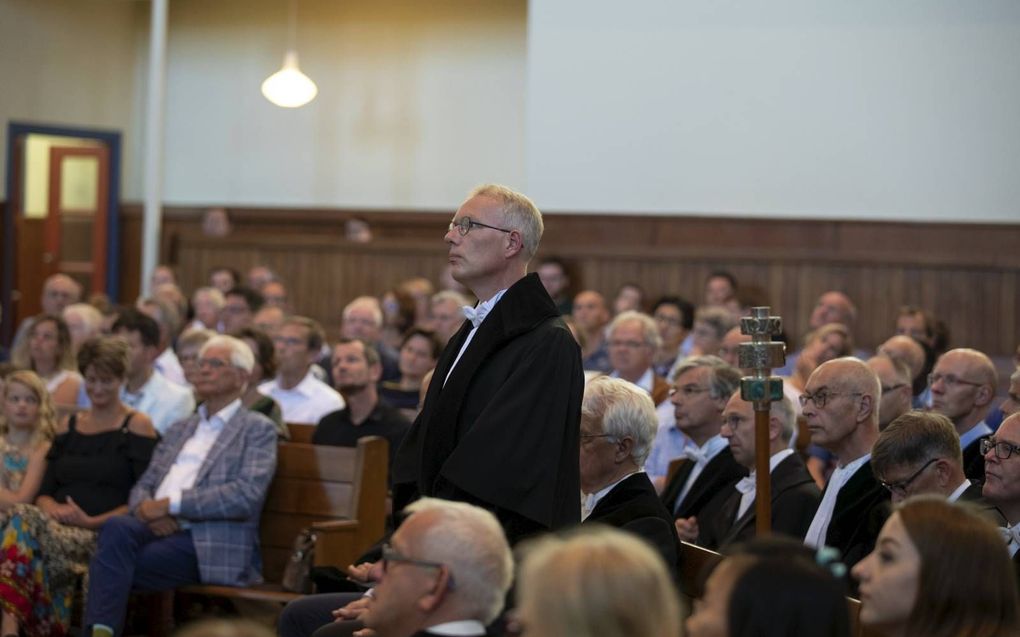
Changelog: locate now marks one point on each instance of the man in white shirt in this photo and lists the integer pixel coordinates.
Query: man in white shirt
(169, 322)
(195, 511)
(840, 404)
(794, 494)
(146, 389)
(963, 386)
(302, 397)
(919, 452)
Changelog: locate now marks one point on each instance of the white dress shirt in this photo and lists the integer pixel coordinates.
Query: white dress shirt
(476, 315)
(168, 364)
(307, 402)
(462, 628)
(747, 486)
(706, 452)
(955, 495)
(162, 401)
(184, 471)
(823, 516)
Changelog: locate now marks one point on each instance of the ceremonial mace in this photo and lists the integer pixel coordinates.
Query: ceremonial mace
(760, 357)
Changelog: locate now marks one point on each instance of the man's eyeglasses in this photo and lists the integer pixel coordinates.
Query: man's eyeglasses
(627, 344)
(212, 363)
(1003, 449)
(464, 225)
(900, 488)
(820, 397)
(886, 390)
(590, 437)
(688, 391)
(389, 554)
(951, 380)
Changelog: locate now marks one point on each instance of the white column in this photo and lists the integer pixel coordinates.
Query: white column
(153, 151)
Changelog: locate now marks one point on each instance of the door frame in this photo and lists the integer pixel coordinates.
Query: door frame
(15, 130)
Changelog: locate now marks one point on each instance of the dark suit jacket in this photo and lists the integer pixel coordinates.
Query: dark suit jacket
(974, 461)
(862, 507)
(633, 506)
(721, 472)
(795, 499)
(503, 432)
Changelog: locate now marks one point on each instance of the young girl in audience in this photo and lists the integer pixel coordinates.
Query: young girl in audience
(91, 466)
(47, 351)
(596, 583)
(772, 587)
(939, 569)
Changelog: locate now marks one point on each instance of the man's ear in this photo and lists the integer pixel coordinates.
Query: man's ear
(624, 447)
(866, 408)
(515, 243)
(775, 428)
(375, 372)
(433, 599)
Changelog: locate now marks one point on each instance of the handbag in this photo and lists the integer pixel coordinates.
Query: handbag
(297, 575)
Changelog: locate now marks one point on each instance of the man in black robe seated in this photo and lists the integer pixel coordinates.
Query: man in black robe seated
(794, 494)
(499, 425)
(618, 425)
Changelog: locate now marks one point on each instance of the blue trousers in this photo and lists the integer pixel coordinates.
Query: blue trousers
(131, 557)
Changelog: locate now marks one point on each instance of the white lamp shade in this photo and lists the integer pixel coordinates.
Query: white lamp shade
(289, 87)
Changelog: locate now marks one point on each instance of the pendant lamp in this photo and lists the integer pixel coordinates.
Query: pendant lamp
(289, 87)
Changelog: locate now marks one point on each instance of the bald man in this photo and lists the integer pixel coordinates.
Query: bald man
(963, 385)
(910, 352)
(840, 403)
(896, 389)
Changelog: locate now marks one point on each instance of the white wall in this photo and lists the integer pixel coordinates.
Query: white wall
(73, 63)
(418, 102)
(867, 109)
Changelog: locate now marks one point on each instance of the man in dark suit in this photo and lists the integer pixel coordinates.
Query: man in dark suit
(195, 510)
(446, 571)
(840, 404)
(499, 425)
(795, 495)
(702, 386)
(1002, 480)
(919, 452)
(618, 425)
(962, 389)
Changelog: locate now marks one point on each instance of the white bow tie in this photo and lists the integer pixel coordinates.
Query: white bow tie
(696, 455)
(746, 485)
(475, 314)
(1011, 534)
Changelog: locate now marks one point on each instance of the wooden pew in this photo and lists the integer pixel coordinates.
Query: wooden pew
(301, 432)
(340, 492)
(696, 562)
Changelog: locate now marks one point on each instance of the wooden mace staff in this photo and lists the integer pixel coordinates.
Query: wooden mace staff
(760, 357)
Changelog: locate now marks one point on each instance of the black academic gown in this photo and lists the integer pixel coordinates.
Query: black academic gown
(632, 505)
(974, 461)
(862, 507)
(503, 432)
(795, 498)
(720, 473)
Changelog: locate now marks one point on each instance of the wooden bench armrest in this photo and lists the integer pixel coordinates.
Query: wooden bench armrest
(339, 527)
(340, 542)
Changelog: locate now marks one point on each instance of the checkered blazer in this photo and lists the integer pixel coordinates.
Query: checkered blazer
(224, 505)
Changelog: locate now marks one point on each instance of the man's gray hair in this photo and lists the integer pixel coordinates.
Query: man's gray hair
(913, 439)
(719, 319)
(519, 213)
(371, 303)
(784, 411)
(450, 295)
(470, 542)
(212, 293)
(724, 379)
(648, 326)
(623, 410)
(241, 356)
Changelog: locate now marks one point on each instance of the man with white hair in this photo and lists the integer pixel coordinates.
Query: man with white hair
(194, 513)
(794, 496)
(633, 339)
(445, 313)
(962, 389)
(363, 318)
(618, 424)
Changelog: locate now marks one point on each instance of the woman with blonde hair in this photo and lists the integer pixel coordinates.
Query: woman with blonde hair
(596, 582)
(939, 569)
(48, 352)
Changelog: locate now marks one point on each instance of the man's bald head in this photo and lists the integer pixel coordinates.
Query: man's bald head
(841, 408)
(59, 291)
(833, 307)
(906, 350)
(962, 387)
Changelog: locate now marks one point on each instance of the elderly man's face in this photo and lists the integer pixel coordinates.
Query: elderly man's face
(217, 376)
(956, 386)
(831, 414)
(58, 294)
(360, 322)
(629, 351)
(598, 459)
(1002, 475)
(479, 255)
(446, 318)
(694, 407)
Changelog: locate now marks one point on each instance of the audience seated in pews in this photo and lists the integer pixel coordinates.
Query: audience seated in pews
(701, 388)
(419, 353)
(302, 397)
(47, 350)
(91, 466)
(962, 387)
(597, 582)
(840, 403)
(356, 370)
(263, 369)
(146, 389)
(939, 570)
(794, 495)
(772, 587)
(618, 424)
(194, 512)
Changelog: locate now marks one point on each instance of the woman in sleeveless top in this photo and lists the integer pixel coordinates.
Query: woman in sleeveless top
(47, 351)
(92, 464)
